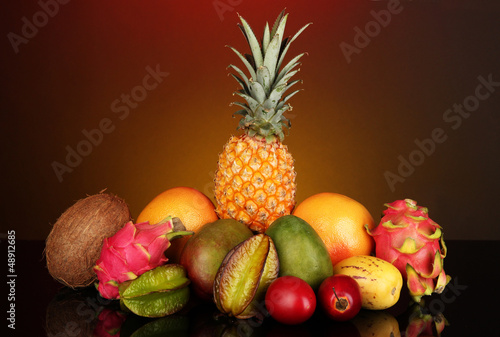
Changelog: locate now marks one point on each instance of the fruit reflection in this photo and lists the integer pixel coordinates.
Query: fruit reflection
(109, 322)
(174, 326)
(421, 322)
(207, 321)
(74, 312)
(376, 324)
(85, 313)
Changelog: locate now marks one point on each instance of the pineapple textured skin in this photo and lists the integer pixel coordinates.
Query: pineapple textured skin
(255, 177)
(255, 182)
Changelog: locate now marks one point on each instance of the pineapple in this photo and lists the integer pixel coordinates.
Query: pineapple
(255, 177)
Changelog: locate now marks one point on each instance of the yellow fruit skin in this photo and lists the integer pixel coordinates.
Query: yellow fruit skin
(254, 182)
(380, 282)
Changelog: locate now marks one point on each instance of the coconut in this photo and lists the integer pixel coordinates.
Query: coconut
(75, 241)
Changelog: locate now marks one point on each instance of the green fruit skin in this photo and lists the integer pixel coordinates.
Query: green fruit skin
(203, 253)
(301, 251)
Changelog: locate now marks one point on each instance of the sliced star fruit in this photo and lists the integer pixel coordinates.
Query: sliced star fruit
(158, 292)
(244, 276)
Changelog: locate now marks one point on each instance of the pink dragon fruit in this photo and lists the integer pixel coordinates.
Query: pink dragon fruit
(413, 243)
(422, 323)
(133, 250)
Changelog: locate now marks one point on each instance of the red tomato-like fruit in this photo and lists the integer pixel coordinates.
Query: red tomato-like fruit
(340, 297)
(290, 300)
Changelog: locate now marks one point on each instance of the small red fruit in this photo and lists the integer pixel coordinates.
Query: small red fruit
(290, 300)
(340, 297)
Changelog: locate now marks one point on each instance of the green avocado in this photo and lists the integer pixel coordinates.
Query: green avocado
(301, 251)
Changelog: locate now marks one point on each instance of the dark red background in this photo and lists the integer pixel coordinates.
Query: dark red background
(350, 124)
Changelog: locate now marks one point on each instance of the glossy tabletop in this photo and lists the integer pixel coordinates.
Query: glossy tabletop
(43, 307)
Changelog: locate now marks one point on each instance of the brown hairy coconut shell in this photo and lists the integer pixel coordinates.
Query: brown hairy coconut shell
(74, 244)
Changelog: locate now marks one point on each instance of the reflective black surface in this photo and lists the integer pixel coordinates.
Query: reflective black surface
(469, 305)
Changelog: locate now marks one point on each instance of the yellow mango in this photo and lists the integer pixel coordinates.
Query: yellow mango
(380, 282)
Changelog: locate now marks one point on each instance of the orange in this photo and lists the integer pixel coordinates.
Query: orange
(191, 206)
(339, 221)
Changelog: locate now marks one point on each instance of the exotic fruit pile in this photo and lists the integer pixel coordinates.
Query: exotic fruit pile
(253, 253)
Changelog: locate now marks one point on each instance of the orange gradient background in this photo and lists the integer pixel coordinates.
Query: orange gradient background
(349, 125)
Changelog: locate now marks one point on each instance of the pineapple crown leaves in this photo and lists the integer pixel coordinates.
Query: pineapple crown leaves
(268, 81)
